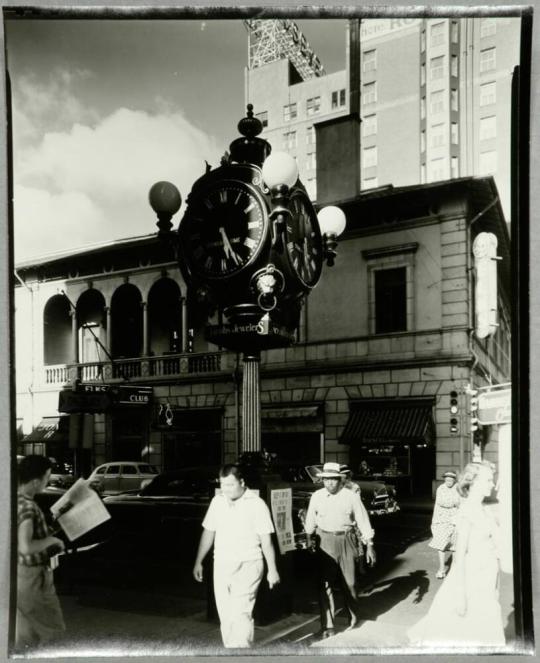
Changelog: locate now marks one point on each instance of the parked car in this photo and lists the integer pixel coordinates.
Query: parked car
(61, 475)
(378, 497)
(121, 476)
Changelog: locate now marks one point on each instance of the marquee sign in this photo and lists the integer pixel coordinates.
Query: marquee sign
(99, 397)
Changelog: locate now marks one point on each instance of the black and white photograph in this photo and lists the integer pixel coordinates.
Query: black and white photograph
(267, 317)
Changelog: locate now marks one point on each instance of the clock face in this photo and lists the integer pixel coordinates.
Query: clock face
(223, 229)
(304, 243)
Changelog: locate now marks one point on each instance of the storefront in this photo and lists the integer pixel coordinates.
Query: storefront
(394, 440)
(294, 433)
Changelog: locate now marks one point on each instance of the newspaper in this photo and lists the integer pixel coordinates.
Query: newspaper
(79, 510)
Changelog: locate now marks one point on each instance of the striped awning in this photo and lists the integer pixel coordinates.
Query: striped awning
(374, 421)
(49, 429)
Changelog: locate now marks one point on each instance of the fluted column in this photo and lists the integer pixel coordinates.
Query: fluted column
(146, 349)
(74, 337)
(108, 339)
(251, 403)
(184, 322)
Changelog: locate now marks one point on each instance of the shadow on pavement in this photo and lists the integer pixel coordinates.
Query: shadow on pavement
(386, 594)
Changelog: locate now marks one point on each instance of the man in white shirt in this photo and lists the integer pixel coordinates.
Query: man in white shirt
(239, 525)
(332, 514)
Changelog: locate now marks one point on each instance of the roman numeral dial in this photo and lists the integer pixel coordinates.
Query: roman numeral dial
(304, 243)
(223, 228)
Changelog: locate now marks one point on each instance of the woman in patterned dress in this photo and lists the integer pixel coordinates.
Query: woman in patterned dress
(443, 523)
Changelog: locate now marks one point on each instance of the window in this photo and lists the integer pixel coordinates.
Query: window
(369, 93)
(113, 469)
(311, 162)
(437, 102)
(488, 59)
(454, 65)
(423, 141)
(488, 162)
(289, 140)
(313, 105)
(390, 300)
(488, 127)
(437, 170)
(454, 30)
(423, 108)
(488, 27)
(290, 112)
(129, 469)
(423, 74)
(437, 34)
(371, 183)
(369, 125)
(422, 41)
(437, 135)
(454, 167)
(263, 117)
(310, 135)
(423, 173)
(454, 104)
(370, 60)
(454, 133)
(101, 470)
(488, 93)
(370, 157)
(437, 67)
(338, 99)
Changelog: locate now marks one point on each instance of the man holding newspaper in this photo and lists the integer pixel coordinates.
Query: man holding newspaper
(39, 615)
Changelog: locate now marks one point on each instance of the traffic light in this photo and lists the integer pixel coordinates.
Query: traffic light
(473, 409)
(454, 411)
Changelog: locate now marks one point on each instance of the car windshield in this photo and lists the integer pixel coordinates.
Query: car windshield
(181, 486)
(313, 472)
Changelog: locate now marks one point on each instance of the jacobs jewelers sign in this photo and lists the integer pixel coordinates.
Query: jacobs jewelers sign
(495, 407)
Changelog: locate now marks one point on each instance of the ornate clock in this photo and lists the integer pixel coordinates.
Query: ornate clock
(304, 242)
(223, 229)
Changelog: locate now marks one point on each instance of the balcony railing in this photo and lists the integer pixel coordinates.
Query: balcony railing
(140, 367)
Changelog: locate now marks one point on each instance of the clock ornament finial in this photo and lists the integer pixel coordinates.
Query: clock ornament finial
(250, 148)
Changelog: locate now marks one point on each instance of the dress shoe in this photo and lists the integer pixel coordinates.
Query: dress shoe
(326, 633)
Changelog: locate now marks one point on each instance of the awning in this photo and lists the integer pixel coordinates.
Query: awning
(49, 429)
(292, 419)
(374, 421)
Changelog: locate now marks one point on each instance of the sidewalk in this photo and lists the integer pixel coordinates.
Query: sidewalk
(400, 598)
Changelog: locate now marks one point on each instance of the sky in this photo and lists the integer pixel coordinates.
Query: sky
(103, 109)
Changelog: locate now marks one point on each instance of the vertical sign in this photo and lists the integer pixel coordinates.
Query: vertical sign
(281, 501)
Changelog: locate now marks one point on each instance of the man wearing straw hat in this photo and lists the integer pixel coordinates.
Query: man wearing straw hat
(332, 515)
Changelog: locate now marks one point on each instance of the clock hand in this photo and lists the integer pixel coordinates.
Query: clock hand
(227, 248)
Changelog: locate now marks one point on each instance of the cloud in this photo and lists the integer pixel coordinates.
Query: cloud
(90, 183)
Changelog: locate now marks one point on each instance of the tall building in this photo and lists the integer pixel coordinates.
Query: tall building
(433, 96)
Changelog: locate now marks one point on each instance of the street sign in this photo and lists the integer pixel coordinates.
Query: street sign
(495, 407)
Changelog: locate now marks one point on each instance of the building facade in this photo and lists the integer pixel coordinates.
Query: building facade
(385, 337)
(433, 95)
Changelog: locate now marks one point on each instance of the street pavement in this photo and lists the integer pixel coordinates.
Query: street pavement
(130, 618)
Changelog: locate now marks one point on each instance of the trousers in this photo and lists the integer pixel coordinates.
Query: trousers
(337, 554)
(39, 615)
(235, 590)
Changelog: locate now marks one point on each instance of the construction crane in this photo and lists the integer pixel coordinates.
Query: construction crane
(277, 39)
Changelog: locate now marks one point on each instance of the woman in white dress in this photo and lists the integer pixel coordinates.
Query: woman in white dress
(443, 523)
(466, 611)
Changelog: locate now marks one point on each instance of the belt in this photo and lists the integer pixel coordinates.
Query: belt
(339, 533)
